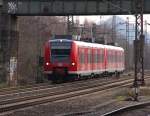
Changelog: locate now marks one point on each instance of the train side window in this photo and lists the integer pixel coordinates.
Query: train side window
(109, 58)
(113, 56)
(95, 56)
(102, 55)
(92, 56)
(89, 57)
(123, 57)
(98, 56)
(81, 55)
(119, 57)
(116, 57)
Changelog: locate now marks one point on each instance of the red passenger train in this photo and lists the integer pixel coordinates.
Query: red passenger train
(68, 59)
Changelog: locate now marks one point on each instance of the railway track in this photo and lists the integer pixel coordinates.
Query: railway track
(129, 108)
(22, 102)
(47, 88)
(57, 89)
(13, 90)
(24, 89)
(10, 90)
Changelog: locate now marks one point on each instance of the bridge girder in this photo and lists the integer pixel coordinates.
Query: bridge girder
(72, 7)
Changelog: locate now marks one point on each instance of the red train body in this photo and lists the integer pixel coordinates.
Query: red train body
(68, 59)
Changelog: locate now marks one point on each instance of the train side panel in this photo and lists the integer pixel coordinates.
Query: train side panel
(83, 59)
(114, 59)
(84, 66)
(73, 57)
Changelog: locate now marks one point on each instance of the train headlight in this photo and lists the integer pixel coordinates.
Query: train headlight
(47, 63)
(73, 64)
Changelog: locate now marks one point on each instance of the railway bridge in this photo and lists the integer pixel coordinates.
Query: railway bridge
(10, 9)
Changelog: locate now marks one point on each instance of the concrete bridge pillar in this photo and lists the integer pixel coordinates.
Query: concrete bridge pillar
(8, 47)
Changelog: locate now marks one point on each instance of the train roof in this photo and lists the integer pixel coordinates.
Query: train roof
(98, 45)
(114, 47)
(86, 44)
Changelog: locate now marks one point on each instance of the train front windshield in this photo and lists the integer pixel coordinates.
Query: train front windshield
(60, 52)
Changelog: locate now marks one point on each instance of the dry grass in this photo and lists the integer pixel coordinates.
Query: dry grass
(145, 91)
(3, 85)
(129, 93)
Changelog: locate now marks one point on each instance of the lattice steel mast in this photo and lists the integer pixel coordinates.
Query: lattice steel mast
(139, 46)
(70, 24)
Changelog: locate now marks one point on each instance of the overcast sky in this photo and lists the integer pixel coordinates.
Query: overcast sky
(97, 19)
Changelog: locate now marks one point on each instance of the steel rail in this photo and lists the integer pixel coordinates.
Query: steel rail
(56, 91)
(19, 88)
(35, 86)
(67, 94)
(40, 89)
(127, 108)
(12, 90)
(63, 96)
